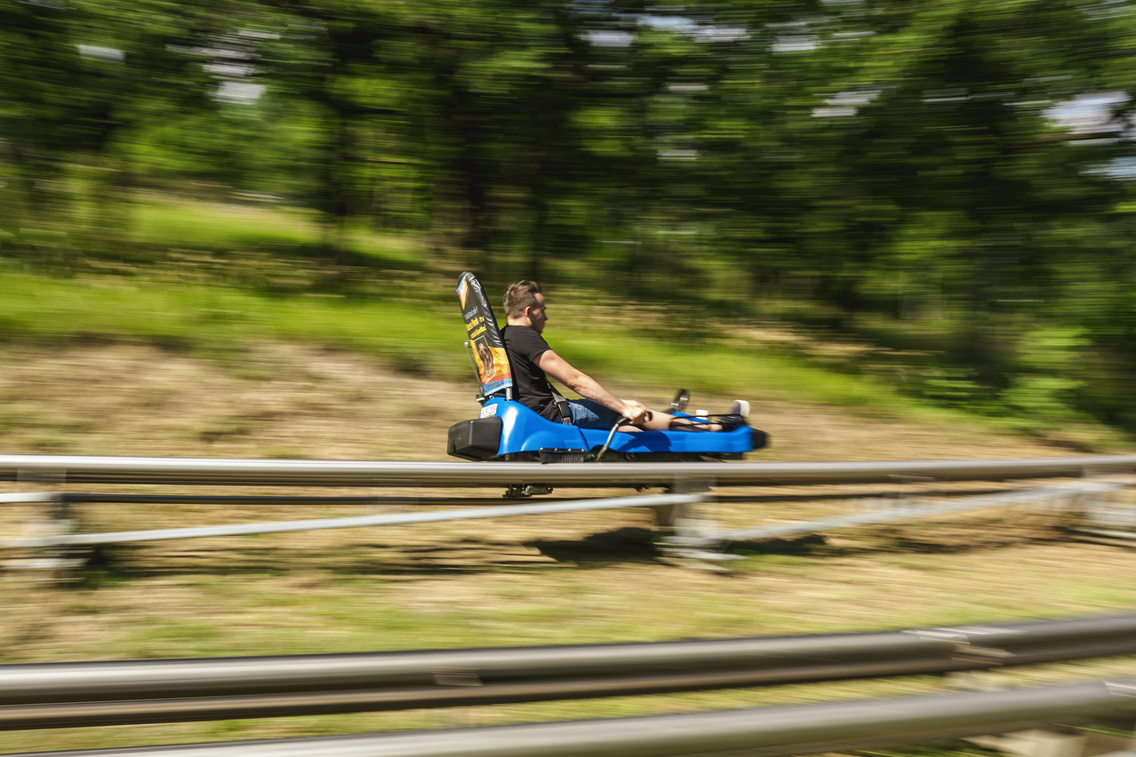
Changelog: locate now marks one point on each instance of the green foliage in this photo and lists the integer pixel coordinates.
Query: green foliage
(884, 166)
(1049, 359)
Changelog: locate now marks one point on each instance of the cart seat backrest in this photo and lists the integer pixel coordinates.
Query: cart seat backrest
(486, 346)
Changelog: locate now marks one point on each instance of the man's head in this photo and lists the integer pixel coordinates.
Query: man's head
(524, 305)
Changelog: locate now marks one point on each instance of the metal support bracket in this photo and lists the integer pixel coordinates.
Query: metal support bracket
(54, 519)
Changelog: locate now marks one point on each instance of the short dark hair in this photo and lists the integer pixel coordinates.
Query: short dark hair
(520, 295)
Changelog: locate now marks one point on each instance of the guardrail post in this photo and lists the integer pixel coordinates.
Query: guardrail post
(1102, 519)
(674, 515)
(51, 517)
(691, 524)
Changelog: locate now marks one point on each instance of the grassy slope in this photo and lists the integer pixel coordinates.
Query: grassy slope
(425, 337)
(248, 375)
(212, 277)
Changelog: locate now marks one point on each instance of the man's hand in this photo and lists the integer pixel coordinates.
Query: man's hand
(636, 413)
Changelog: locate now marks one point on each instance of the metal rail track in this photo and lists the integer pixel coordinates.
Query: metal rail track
(679, 477)
(39, 696)
(58, 695)
(1033, 496)
(766, 732)
(318, 524)
(210, 471)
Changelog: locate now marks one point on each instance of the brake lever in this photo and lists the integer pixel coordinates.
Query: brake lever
(611, 435)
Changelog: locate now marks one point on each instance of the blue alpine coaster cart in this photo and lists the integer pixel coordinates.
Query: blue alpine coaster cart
(506, 430)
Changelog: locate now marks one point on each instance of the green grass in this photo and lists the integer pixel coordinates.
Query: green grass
(207, 317)
(213, 277)
(422, 336)
(169, 224)
(722, 368)
(181, 223)
(416, 328)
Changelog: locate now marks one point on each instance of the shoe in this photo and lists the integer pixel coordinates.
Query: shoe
(740, 407)
(730, 422)
(724, 422)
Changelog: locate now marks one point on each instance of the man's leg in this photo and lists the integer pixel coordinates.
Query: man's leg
(591, 414)
(667, 422)
(738, 416)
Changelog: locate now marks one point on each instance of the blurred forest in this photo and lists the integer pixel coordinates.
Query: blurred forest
(949, 177)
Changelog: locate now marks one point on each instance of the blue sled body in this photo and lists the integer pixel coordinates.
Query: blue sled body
(507, 430)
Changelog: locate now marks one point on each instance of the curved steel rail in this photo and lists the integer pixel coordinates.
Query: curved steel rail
(56, 695)
(207, 471)
(766, 732)
(388, 519)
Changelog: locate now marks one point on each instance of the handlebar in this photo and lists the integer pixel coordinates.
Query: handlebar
(611, 434)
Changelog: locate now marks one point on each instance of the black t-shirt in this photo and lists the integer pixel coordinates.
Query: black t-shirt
(524, 344)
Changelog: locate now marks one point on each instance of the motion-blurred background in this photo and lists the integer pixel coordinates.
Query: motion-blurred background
(949, 179)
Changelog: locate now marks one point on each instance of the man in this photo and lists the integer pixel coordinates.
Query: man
(533, 361)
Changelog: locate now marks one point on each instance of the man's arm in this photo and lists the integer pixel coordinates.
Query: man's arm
(586, 386)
